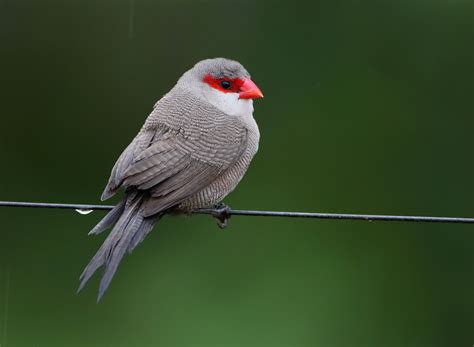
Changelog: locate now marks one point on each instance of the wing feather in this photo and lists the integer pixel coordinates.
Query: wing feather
(128, 156)
(190, 181)
(182, 148)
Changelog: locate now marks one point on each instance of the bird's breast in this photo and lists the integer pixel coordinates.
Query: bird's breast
(228, 180)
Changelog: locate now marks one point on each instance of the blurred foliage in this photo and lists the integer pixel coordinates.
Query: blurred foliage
(368, 109)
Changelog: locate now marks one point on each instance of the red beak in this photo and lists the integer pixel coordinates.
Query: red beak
(249, 90)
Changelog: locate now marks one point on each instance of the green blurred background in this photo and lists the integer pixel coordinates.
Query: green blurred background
(368, 109)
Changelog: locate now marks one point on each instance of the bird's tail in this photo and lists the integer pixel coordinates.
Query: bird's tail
(130, 227)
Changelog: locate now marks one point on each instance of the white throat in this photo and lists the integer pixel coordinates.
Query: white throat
(230, 103)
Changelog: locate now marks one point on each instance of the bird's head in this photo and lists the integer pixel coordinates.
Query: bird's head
(224, 83)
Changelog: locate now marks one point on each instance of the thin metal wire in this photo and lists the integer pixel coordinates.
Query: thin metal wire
(231, 212)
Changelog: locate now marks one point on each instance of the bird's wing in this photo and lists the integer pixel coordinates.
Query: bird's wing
(175, 168)
(142, 141)
(173, 162)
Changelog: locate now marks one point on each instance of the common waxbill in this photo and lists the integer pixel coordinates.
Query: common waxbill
(192, 151)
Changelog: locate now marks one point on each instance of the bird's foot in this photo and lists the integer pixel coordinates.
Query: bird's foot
(221, 213)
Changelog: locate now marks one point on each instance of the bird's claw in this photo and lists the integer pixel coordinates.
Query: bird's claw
(222, 214)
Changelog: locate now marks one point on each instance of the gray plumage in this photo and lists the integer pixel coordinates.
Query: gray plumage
(192, 151)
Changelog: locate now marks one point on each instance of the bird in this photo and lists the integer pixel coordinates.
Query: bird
(191, 152)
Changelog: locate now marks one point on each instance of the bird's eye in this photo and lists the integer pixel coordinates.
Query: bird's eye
(225, 84)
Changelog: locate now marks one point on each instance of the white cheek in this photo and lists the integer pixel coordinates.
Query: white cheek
(230, 103)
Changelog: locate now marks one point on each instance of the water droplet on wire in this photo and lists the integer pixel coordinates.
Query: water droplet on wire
(83, 212)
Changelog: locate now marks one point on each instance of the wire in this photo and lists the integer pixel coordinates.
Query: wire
(84, 208)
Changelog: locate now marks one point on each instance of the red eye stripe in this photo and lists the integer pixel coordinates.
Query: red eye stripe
(235, 83)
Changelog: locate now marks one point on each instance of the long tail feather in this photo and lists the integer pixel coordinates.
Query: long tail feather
(129, 230)
(142, 232)
(110, 219)
(117, 253)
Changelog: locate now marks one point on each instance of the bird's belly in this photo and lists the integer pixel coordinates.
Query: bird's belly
(222, 186)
